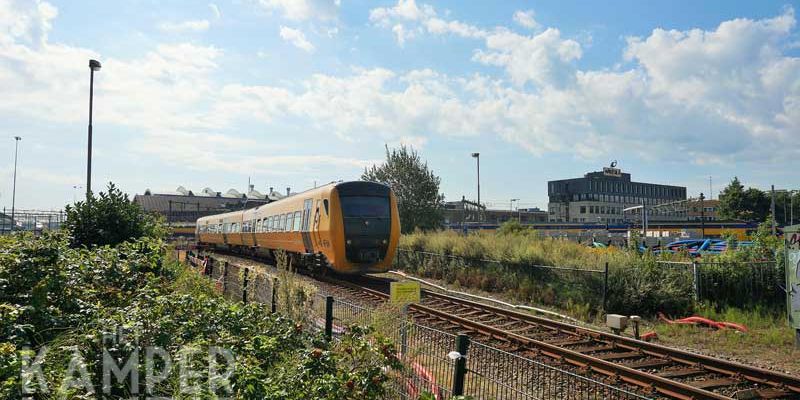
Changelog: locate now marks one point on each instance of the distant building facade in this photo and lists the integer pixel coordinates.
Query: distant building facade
(707, 211)
(182, 208)
(601, 196)
(465, 211)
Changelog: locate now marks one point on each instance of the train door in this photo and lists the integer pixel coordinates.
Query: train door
(304, 228)
(315, 228)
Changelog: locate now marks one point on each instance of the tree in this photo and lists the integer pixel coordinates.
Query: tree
(732, 201)
(738, 204)
(109, 219)
(414, 184)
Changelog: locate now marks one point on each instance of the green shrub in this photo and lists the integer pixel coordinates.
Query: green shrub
(109, 219)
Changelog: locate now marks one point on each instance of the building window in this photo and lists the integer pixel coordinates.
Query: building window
(583, 209)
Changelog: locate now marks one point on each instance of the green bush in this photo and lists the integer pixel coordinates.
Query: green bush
(122, 300)
(109, 219)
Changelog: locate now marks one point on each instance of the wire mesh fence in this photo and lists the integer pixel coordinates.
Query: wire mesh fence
(430, 356)
(496, 374)
(542, 283)
(737, 284)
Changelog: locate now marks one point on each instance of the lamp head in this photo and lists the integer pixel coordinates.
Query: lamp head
(17, 138)
(94, 65)
(476, 155)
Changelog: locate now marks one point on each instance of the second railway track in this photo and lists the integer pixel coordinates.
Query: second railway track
(652, 368)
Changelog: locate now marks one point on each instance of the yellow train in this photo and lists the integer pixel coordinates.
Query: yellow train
(349, 227)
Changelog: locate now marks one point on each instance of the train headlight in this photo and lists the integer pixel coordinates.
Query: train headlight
(384, 241)
(349, 242)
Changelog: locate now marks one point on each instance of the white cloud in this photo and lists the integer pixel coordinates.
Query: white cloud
(726, 95)
(543, 59)
(215, 10)
(297, 38)
(300, 10)
(199, 25)
(406, 20)
(525, 19)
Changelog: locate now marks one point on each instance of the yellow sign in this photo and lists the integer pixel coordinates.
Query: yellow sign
(404, 292)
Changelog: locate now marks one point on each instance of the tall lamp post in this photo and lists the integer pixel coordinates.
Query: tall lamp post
(94, 65)
(477, 157)
(702, 217)
(511, 209)
(14, 187)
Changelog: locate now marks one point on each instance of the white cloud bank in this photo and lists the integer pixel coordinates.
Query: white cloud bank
(725, 95)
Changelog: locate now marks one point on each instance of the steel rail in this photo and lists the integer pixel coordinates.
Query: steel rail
(747, 372)
(647, 381)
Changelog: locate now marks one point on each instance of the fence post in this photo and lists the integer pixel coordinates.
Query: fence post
(328, 317)
(224, 277)
(460, 370)
(696, 279)
(404, 332)
(605, 287)
(274, 300)
(244, 285)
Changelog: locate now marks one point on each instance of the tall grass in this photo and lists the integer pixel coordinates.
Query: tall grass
(507, 262)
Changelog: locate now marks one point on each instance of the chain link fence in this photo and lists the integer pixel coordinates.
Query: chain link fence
(436, 362)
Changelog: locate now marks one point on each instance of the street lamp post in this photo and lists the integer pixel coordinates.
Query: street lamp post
(511, 209)
(702, 217)
(477, 157)
(94, 65)
(14, 187)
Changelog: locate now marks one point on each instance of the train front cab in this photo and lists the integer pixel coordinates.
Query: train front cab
(370, 227)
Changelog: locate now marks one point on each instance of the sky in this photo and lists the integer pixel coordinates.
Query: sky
(297, 92)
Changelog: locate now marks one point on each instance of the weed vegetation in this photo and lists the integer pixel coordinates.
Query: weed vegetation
(518, 262)
(83, 320)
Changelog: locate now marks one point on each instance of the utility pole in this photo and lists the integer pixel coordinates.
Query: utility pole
(702, 217)
(772, 210)
(14, 190)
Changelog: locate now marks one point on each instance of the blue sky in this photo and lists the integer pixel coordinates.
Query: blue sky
(287, 93)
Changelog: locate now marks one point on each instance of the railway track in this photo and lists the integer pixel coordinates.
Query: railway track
(652, 368)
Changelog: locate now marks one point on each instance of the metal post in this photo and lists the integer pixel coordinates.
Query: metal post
(605, 286)
(404, 332)
(696, 280)
(772, 210)
(274, 300)
(224, 277)
(460, 370)
(477, 157)
(89, 153)
(702, 217)
(328, 317)
(169, 214)
(244, 285)
(14, 190)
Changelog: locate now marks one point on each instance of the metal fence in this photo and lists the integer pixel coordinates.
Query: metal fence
(543, 284)
(436, 362)
(737, 284)
(30, 220)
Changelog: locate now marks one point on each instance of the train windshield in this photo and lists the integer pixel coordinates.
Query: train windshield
(365, 207)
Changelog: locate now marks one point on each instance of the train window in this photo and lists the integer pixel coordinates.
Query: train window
(258, 225)
(289, 222)
(297, 220)
(365, 207)
(325, 203)
(268, 225)
(282, 223)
